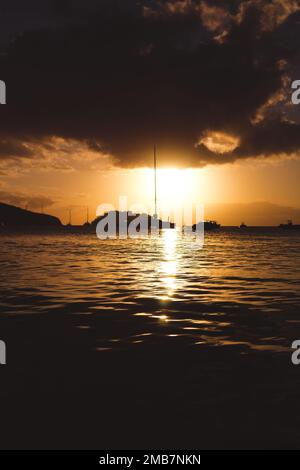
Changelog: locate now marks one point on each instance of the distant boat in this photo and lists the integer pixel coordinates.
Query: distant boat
(289, 226)
(243, 225)
(209, 225)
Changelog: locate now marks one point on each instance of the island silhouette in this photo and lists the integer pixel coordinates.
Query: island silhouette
(14, 218)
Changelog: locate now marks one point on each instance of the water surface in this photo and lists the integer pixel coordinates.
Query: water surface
(150, 343)
(241, 288)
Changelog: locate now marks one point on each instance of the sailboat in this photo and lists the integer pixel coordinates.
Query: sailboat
(155, 182)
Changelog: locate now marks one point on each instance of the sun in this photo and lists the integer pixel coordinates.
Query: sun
(174, 183)
(175, 187)
(178, 190)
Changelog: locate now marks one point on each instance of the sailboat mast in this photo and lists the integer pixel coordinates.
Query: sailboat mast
(155, 182)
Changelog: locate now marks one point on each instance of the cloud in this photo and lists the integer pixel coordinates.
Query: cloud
(276, 12)
(219, 142)
(107, 82)
(52, 153)
(216, 18)
(29, 201)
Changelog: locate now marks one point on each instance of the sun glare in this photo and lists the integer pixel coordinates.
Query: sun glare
(174, 186)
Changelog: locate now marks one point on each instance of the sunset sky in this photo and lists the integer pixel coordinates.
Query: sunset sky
(92, 85)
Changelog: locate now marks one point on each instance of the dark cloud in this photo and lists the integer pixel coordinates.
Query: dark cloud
(124, 75)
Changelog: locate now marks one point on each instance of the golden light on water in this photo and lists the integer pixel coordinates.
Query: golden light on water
(168, 268)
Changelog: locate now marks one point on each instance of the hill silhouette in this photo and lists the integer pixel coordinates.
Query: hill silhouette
(12, 217)
(144, 222)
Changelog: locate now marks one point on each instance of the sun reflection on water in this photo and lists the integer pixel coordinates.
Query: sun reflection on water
(169, 265)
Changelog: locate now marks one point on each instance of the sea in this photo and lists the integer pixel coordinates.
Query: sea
(190, 344)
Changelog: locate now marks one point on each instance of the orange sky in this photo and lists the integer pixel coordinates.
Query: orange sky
(229, 192)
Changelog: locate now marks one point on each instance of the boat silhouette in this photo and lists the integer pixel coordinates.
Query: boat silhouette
(289, 226)
(243, 225)
(209, 225)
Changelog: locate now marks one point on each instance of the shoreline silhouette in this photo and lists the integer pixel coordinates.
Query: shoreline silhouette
(14, 219)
